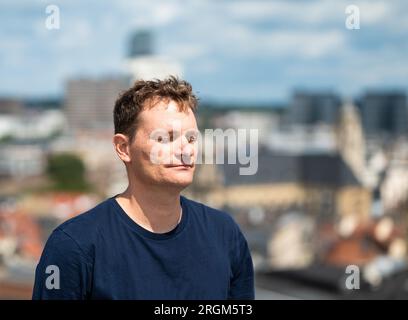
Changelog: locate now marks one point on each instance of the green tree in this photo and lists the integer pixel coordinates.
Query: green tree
(67, 172)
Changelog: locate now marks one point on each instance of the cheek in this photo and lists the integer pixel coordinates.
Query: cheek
(158, 153)
(141, 154)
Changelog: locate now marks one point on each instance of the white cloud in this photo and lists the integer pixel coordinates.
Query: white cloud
(205, 67)
(307, 43)
(354, 71)
(146, 13)
(374, 12)
(314, 13)
(289, 11)
(76, 33)
(166, 13)
(299, 43)
(186, 51)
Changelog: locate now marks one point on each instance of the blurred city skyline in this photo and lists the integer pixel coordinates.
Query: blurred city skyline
(231, 51)
(329, 105)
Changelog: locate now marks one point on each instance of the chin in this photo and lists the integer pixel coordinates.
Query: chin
(178, 182)
(182, 183)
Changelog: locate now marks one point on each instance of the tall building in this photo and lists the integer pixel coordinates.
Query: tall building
(310, 108)
(141, 44)
(143, 63)
(351, 141)
(89, 102)
(11, 106)
(384, 112)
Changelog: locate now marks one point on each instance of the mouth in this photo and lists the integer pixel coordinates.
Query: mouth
(186, 166)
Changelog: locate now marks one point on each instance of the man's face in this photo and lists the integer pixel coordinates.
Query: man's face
(164, 148)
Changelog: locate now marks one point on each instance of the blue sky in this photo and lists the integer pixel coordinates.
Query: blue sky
(230, 50)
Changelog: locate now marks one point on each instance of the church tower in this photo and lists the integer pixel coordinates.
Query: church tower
(350, 140)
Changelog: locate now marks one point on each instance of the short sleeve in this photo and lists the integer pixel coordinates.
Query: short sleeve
(242, 278)
(63, 272)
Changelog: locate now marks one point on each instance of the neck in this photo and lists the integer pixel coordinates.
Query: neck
(157, 210)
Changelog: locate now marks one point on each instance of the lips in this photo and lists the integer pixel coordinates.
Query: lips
(180, 166)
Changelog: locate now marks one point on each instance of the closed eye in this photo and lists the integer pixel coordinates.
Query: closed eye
(192, 136)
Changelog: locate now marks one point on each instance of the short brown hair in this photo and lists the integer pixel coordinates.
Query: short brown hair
(145, 94)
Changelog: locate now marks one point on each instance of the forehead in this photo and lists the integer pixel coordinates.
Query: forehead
(166, 114)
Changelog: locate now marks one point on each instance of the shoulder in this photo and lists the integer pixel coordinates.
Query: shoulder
(221, 223)
(82, 231)
(213, 216)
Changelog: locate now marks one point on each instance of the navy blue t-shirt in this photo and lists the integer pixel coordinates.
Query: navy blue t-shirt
(104, 254)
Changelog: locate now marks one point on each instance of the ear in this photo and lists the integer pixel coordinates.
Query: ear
(122, 147)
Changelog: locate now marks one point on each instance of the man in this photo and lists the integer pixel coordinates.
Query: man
(149, 242)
